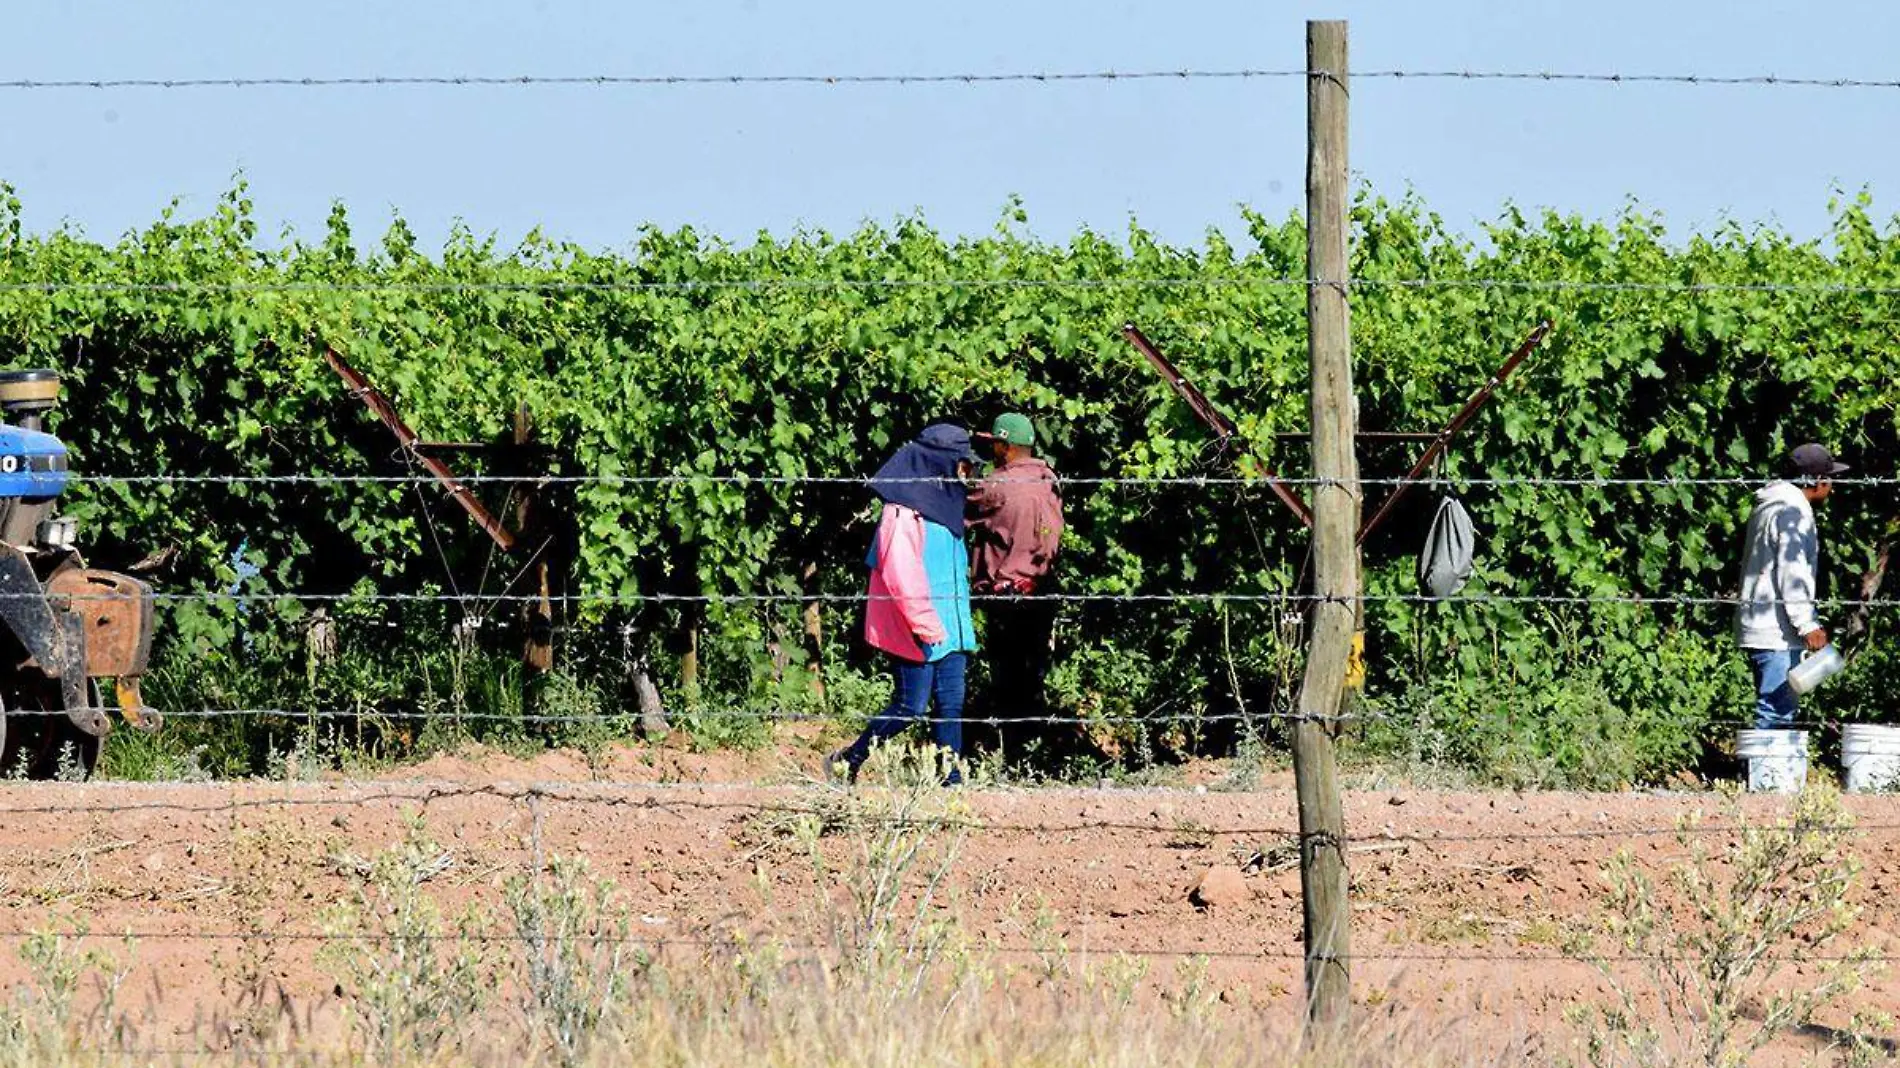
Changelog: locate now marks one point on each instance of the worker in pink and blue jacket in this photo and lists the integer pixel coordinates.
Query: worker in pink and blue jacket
(918, 611)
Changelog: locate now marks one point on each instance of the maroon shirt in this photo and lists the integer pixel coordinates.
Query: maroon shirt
(1015, 527)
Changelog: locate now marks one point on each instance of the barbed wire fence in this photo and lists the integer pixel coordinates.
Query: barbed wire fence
(104, 798)
(471, 603)
(476, 608)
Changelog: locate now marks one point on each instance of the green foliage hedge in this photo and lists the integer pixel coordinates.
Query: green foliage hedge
(650, 362)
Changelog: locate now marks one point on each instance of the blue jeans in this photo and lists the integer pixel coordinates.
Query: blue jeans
(1775, 700)
(915, 686)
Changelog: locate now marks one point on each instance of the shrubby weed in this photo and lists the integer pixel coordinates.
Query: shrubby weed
(1701, 964)
(579, 965)
(69, 999)
(414, 981)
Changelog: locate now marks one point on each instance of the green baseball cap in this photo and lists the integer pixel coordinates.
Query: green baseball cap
(1014, 428)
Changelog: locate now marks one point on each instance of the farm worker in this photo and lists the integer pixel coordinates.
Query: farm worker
(918, 612)
(1775, 619)
(1015, 531)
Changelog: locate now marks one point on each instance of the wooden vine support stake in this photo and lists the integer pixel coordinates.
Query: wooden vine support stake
(537, 651)
(1336, 510)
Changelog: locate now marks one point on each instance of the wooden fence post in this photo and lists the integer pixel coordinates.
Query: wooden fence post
(1336, 508)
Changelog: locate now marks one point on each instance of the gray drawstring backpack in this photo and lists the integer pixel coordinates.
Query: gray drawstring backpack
(1444, 566)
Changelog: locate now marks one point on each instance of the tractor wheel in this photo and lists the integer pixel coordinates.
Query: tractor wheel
(41, 743)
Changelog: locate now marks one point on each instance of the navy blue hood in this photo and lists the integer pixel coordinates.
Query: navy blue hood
(923, 475)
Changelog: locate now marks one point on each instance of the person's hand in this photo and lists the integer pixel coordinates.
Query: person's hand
(931, 637)
(1817, 639)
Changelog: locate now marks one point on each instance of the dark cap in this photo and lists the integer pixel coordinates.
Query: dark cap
(1814, 461)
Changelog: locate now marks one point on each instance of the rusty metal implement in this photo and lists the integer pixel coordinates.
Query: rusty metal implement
(380, 406)
(1223, 427)
(1443, 439)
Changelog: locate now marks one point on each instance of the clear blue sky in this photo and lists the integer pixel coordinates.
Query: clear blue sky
(592, 165)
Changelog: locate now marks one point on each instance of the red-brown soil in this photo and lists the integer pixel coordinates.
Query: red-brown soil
(1444, 901)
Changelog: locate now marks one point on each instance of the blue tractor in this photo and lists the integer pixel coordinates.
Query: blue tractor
(66, 631)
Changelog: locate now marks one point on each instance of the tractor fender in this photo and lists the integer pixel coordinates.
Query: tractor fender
(117, 610)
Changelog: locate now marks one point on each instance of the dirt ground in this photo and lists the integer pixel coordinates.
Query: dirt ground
(1460, 899)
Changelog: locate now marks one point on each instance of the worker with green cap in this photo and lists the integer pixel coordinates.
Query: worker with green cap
(1015, 529)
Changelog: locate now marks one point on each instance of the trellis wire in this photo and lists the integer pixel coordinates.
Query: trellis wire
(699, 715)
(822, 284)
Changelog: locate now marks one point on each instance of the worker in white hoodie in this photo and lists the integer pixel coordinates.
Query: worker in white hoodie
(1781, 552)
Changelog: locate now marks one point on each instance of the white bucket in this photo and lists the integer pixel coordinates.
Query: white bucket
(1777, 760)
(1871, 757)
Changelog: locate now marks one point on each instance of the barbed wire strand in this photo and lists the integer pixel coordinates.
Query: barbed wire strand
(1002, 949)
(693, 797)
(475, 626)
(1279, 598)
(1153, 720)
(650, 80)
(1188, 481)
(966, 78)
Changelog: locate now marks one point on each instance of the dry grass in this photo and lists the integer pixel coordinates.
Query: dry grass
(811, 1025)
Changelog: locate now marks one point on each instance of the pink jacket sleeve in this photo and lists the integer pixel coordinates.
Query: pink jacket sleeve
(900, 555)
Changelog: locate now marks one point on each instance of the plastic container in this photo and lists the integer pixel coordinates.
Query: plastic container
(1870, 756)
(1815, 668)
(1777, 760)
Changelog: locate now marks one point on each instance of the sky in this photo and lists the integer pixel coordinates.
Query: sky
(595, 164)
